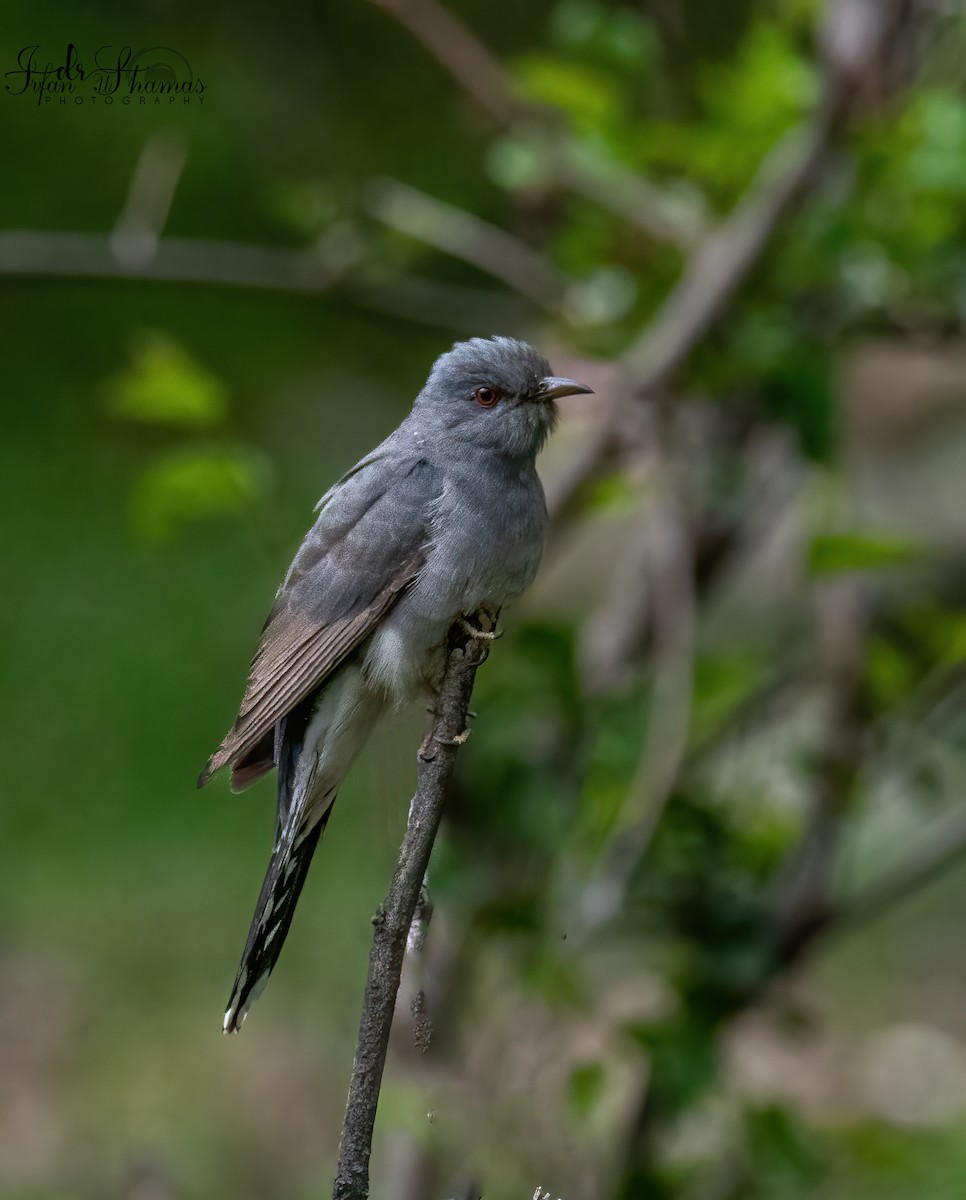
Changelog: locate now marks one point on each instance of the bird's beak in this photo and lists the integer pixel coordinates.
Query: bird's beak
(555, 386)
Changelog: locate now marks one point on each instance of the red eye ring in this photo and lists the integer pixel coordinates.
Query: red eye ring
(486, 397)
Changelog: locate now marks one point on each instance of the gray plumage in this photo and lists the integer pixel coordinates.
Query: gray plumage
(445, 517)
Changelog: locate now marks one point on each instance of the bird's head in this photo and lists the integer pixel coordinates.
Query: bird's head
(496, 393)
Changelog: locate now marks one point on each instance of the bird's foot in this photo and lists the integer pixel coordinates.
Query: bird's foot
(481, 635)
(459, 740)
(427, 750)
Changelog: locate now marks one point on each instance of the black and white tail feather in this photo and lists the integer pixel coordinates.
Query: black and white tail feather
(300, 822)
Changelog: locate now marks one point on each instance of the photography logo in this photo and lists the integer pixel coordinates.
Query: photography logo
(115, 75)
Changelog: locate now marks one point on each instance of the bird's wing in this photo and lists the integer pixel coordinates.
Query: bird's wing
(367, 545)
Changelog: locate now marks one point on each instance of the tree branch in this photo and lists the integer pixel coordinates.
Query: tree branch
(176, 260)
(722, 262)
(457, 51)
(467, 650)
(571, 164)
(466, 236)
(942, 846)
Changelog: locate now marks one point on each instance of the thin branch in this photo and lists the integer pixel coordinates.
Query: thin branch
(668, 582)
(393, 921)
(704, 291)
(157, 172)
(727, 256)
(724, 260)
(176, 260)
(570, 163)
(852, 48)
(330, 263)
(457, 51)
(442, 305)
(465, 236)
(800, 892)
(941, 847)
(662, 215)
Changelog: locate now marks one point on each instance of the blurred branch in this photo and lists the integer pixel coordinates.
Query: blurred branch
(671, 610)
(857, 34)
(393, 922)
(941, 847)
(137, 234)
(801, 891)
(176, 260)
(670, 583)
(328, 264)
(444, 305)
(727, 256)
(457, 51)
(659, 214)
(467, 237)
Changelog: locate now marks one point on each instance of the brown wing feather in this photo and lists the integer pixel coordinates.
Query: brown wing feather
(295, 655)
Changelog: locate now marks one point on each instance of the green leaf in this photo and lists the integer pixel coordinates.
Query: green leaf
(938, 159)
(617, 35)
(784, 1152)
(835, 553)
(516, 163)
(891, 672)
(606, 295)
(165, 385)
(683, 1058)
(194, 484)
(590, 96)
(586, 1085)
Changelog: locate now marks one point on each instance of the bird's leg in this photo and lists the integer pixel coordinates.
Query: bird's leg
(484, 634)
(459, 740)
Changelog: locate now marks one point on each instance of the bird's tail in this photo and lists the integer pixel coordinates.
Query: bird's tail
(315, 745)
(287, 869)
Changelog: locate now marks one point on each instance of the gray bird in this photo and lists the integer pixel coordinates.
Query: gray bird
(445, 517)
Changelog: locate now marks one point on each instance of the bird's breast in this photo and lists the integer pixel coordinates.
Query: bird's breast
(483, 550)
(487, 538)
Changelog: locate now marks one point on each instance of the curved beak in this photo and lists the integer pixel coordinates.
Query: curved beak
(555, 386)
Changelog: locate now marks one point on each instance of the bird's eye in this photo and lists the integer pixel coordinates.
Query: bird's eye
(486, 397)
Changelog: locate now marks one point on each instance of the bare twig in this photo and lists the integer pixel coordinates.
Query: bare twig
(710, 280)
(176, 260)
(670, 571)
(157, 172)
(660, 214)
(668, 582)
(464, 235)
(569, 163)
(942, 846)
(727, 256)
(330, 263)
(457, 51)
(724, 260)
(801, 890)
(394, 919)
(857, 35)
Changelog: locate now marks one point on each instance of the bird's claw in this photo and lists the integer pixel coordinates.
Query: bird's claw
(481, 635)
(426, 751)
